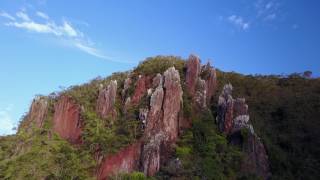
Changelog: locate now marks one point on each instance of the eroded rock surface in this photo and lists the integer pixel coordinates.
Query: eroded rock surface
(124, 161)
(66, 120)
(106, 100)
(37, 113)
(192, 74)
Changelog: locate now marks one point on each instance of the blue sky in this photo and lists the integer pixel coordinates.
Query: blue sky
(49, 44)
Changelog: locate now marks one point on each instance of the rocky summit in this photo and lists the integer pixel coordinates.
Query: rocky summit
(168, 118)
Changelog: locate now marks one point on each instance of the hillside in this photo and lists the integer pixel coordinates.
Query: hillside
(171, 118)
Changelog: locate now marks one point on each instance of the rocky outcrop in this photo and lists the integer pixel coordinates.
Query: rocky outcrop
(106, 100)
(126, 86)
(210, 76)
(201, 82)
(172, 103)
(153, 136)
(200, 97)
(125, 161)
(142, 85)
(66, 120)
(225, 110)
(37, 113)
(192, 73)
(163, 121)
(233, 119)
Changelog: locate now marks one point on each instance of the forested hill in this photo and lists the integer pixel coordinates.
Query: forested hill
(171, 118)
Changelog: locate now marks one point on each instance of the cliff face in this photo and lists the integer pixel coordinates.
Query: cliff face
(66, 120)
(233, 120)
(125, 161)
(37, 113)
(106, 100)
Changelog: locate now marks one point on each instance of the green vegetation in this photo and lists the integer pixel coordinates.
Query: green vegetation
(160, 64)
(36, 156)
(131, 176)
(285, 113)
(204, 153)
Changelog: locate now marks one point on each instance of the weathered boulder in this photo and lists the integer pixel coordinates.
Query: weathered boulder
(66, 120)
(106, 100)
(192, 74)
(125, 161)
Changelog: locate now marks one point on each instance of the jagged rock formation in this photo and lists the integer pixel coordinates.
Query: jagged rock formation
(37, 113)
(142, 85)
(66, 120)
(162, 123)
(106, 100)
(193, 72)
(201, 82)
(233, 120)
(162, 117)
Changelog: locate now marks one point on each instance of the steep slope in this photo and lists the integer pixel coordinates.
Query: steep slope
(168, 118)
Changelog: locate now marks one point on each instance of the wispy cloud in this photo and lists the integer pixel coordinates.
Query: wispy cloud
(42, 15)
(239, 22)
(23, 16)
(64, 30)
(7, 124)
(6, 15)
(267, 9)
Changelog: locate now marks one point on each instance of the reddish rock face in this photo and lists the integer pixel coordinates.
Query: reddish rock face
(192, 74)
(125, 161)
(225, 110)
(141, 88)
(37, 113)
(106, 100)
(66, 120)
(172, 103)
(211, 82)
(161, 127)
(163, 121)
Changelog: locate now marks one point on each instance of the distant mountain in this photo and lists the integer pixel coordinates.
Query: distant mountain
(171, 118)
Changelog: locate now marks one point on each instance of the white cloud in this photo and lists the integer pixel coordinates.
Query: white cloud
(66, 31)
(23, 16)
(69, 30)
(6, 122)
(90, 50)
(8, 16)
(239, 22)
(42, 15)
(36, 27)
